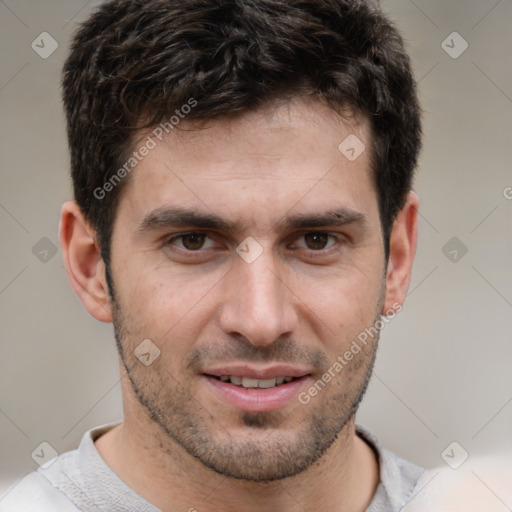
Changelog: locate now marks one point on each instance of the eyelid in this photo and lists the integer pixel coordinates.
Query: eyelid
(175, 236)
(334, 236)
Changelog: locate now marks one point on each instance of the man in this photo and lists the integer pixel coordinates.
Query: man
(243, 215)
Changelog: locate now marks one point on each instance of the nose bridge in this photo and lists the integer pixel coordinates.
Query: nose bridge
(258, 304)
(263, 285)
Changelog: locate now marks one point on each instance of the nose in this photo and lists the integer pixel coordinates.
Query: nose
(257, 303)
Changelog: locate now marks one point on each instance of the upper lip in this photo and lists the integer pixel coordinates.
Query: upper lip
(245, 370)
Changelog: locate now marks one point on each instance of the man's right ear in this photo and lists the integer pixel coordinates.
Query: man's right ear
(83, 261)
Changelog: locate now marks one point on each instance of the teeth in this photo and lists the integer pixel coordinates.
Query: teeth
(248, 382)
(267, 383)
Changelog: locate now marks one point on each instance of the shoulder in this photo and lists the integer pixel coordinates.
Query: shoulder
(37, 494)
(399, 478)
(58, 485)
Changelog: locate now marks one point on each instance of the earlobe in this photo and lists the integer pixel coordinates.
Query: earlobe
(401, 254)
(84, 265)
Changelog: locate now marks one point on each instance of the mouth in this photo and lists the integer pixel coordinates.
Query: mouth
(257, 390)
(250, 383)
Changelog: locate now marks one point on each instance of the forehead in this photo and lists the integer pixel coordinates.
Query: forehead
(299, 155)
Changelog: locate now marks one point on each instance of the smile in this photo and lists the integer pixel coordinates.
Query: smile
(248, 382)
(253, 394)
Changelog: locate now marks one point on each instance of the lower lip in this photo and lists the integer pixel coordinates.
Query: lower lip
(257, 399)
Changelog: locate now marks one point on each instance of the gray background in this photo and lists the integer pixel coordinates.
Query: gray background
(444, 370)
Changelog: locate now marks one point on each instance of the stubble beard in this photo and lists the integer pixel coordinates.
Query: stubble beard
(271, 451)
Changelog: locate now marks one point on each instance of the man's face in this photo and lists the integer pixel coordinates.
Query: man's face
(287, 304)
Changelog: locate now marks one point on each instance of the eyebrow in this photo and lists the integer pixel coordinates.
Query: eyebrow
(184, 217)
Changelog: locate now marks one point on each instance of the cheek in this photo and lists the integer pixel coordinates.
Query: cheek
(166, 308)
(346, 300)
(340, 314)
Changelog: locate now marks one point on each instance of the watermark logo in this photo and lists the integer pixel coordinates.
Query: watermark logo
(44, 45)
(454, 249)
(249, 250)
(352, 147)
(44, 455)
(454, 45)
(454, 455)
(146, 352)
(44, 250)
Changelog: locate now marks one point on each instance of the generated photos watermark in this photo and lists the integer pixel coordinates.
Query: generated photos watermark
(144, 149)
(343, 360)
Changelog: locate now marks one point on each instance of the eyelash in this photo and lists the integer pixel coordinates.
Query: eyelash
(191, 254)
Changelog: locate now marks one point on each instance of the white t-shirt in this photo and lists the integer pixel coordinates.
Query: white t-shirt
(80, 480)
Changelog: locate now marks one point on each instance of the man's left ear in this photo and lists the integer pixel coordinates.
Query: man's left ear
(403, 241)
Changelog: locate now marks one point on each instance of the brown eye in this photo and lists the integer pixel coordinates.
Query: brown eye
(191, 241)
(316, 241)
